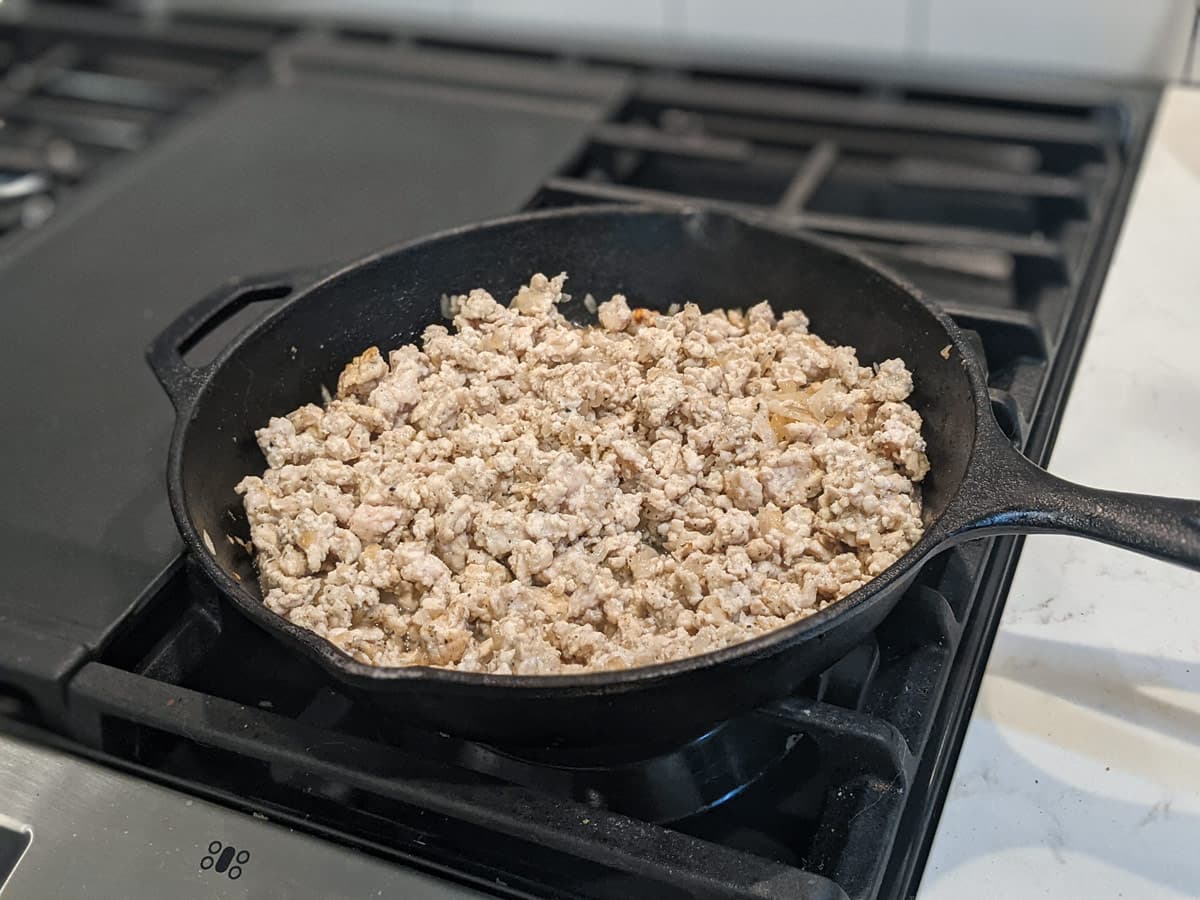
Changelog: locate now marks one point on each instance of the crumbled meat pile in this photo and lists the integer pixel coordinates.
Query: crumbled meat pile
(526, 496)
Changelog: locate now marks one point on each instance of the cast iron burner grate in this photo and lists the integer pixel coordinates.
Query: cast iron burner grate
(812, 784)
(656, 787)
(76, 97)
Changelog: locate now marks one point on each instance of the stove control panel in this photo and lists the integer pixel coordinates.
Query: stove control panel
(72, 828)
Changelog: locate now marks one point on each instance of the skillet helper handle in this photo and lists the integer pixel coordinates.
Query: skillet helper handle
(166, 353)
(1014, 496)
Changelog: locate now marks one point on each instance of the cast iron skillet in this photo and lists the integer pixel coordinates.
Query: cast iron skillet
(978, 484)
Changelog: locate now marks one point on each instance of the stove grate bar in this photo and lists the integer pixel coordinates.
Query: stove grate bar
(808, 178)
(906, 232)
(828, 106)
(101, 693)
(1014, 158)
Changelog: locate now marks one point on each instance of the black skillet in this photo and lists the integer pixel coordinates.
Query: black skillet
(978, 485)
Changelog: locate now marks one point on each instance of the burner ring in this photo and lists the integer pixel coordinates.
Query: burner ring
(660, 787)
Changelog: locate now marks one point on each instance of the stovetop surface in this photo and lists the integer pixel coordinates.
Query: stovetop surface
(263, 172)
(143, 163)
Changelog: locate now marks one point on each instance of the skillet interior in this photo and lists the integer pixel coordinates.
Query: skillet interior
(655, 258)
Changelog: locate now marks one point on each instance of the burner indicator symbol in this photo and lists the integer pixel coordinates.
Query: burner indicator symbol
(225, 859)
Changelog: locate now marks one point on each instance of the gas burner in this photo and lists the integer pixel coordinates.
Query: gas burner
(652, 781)
(664, 787)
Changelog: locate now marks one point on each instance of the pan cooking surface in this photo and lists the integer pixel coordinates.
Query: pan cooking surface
(632, 462)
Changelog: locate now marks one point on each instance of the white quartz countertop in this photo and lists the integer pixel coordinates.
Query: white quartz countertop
(1080, 772)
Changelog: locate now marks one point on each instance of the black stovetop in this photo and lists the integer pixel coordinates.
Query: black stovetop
(142, 163)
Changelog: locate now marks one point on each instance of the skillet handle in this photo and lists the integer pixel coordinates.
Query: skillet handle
(166, 352)
(1008, 494)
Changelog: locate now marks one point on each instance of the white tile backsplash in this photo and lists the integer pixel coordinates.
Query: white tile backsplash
(1124, 38)
(413, 10)
(642, 17)
(821, 26)
(1120, 37)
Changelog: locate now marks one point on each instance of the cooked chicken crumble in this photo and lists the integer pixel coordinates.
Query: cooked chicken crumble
(526, 496)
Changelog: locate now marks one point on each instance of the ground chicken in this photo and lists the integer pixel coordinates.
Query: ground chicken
(526, 496)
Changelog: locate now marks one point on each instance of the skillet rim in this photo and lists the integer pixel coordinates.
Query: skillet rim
(362, 675)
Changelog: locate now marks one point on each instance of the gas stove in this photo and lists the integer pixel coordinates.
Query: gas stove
(144, 161)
